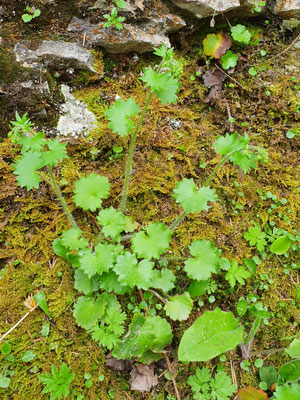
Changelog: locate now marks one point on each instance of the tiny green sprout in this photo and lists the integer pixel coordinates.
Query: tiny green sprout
(263, 53)
(231, 119)
(101, 378)
(268, 93)
(229, 60)
(32, 13)
(258, 363)
(120, 3)
(252, 71)
(113, 20)
(192, 77)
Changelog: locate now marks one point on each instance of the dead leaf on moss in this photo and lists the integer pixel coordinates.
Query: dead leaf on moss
(118, 365)
(216, 45)
(213, 77)
(143, 378)
(250, 393)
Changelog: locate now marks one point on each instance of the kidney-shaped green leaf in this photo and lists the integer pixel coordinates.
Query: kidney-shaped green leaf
(214, 333)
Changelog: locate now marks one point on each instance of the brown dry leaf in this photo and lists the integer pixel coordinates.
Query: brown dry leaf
(143, 378)
(118, 365)
(139, 4)
(213, 77)
(30, 302)
(250, 393)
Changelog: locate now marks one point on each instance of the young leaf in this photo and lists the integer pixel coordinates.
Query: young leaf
(56, 153)
(198, 382)
(88, 311)
(98, 262)
(191, 199)
(255, 236)
(26, 167)
(90, 191)
(163, 279)
(229, 60)
(6, 348)
(72, 240)
(57, 384)
(83, 284)
(250, 393)
(4, 382)
(281, 245)
(32, 143)
(240, 34)
(229, 143)
(290, 392)
(205, 262)
(28, 356)
(40, 300)
(214, 333)
(215, 45)
(162, 84)
(119, 114)
(294, 349)
(222, 387)
(154, 243)
(132, 273)
(114, 222)
(109, 281)
(27, 18)
(236, 273)
(179, 307)
(289, 372)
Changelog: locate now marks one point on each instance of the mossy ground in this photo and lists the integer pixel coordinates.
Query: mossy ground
(166, 152)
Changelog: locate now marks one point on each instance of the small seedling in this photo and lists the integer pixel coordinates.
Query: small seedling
(32, 13)
(113, 20)
(57, 384)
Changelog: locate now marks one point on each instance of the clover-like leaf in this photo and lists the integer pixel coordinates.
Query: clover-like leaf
(88, 311)
(152, 244)
(191, 198)
(92, 263)
(119, 114)
(89, 191)
(162, 84)
(205, 262)
(214, 333)
(179, 307)
(56, 153)
(240, 33)
(229, 60)
(25, 169)
(256, 236)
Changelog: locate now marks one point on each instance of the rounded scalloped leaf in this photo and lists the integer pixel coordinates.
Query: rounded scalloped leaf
(205, 261)
(215, 45)
(214, 333)
(179, 307)
(88, 311)
(90, 190)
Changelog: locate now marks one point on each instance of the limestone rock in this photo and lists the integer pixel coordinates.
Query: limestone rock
(76, 120)
(55, 54)
(206, 8)
(287, 8)
(138, 38)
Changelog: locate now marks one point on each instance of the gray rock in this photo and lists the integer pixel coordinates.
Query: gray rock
(76, 120)
(55, 54)
(207, 8)
(287, 8)
(138, 38)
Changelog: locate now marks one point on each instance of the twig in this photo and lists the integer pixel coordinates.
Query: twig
(233, 376)
(172, 377)
(230, 77)
(18, 323)
(282, 52)
(157, 295)
(231, 127)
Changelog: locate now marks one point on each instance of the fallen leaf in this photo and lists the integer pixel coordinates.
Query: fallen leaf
(250, 393)
(143, 378)
(213, 77)
(118, 365)
(216, 45)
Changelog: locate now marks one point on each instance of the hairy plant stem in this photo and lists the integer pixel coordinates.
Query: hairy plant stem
(132, 148)
(205, 183)
(247, 346)
(61, 198)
